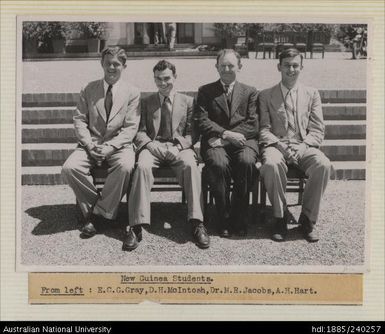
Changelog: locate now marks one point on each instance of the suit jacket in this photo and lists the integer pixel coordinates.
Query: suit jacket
(90, 116)
(182, 109)
(273, 119)
(213, 116)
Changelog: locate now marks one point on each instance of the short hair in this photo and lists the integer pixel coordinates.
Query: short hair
(163, 65)
(288, 53)
(224, 52)
(115, 51)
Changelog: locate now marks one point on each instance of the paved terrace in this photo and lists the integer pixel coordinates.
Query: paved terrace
(336, 71)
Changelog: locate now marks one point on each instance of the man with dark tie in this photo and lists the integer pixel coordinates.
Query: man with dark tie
(227, 119)
(291, 132)
(165, 138)
(106, 120)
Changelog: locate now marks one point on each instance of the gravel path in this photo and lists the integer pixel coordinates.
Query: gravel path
(50, 234)
(336, 71)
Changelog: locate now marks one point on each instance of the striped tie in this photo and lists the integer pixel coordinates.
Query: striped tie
(289, 106)
(228, 95)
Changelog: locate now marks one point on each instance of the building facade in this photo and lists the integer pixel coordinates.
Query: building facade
(143, 33)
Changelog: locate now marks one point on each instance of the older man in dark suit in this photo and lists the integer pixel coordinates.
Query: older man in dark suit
(227, 119)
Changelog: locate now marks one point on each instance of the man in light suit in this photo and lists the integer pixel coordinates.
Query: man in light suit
(291, 132)
(228, 122)
(165, 138)
(106, 120)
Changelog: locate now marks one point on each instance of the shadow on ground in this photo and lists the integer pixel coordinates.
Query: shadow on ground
(55, 218)
(168, 220)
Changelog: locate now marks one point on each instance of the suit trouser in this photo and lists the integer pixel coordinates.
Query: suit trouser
(76, 171)
(313, 163)
(224, 164)
(189, 178)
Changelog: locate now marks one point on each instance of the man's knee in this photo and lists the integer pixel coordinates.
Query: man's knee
(324, 164)
(126, 166)
(247, 160)
(144, 166)
(68, 167)
(189, 160)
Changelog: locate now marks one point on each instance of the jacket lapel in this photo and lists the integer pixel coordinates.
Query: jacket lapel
(220, 98)
(279, 105)
(302, 107)
(178, 109)
(236, 97)
(154, 112)
(99, 94)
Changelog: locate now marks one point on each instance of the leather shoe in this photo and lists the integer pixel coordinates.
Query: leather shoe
(279, 230)
(88, 231)
(241, 230)
(201, 238)
(132, 238)
(224, 233)
(307, 228)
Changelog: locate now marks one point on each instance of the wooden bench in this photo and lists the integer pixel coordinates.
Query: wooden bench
(165, 181)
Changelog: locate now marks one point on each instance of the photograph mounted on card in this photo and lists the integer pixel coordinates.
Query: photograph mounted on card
(192, 146)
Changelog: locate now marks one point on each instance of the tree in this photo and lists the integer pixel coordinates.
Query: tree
(228, 32)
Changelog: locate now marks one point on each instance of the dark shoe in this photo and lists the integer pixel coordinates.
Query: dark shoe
(241, 230)
(201, 238)
(279, 230)
(132, 238)
(224, 233)
(307, 228)
(224, 227)
(88, 231)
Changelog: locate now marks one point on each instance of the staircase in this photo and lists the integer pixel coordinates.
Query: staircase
(48, 136)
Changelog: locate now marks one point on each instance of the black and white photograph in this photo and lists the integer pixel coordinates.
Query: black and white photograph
(192, 146)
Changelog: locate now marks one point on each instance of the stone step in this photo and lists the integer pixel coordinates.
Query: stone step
(60, 115)
(51, 175)
(65, 133)
(49, 115)
(346, 111)
(336, 129)
(54, 154)
(70, 99)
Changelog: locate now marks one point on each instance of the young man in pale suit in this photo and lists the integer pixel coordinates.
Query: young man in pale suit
(227, 119)
(165, 138)
(291, 132)
(106, 120)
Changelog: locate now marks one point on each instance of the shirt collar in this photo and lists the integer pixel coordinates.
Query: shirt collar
(114, 86)
(171, 96)
(231, 85)
(285, 90)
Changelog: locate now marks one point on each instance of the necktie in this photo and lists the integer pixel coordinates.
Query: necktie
(166, 119)
(289, 106)
(108, 101)
(228, 95)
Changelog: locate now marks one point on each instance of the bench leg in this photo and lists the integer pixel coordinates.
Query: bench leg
(301, 187)
(263, 202)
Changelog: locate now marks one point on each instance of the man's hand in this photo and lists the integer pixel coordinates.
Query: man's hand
(235, 138)
(298, 149)
(94, 152)
(172, 153)
(156, 150)
(105, 150)
(287, 152)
